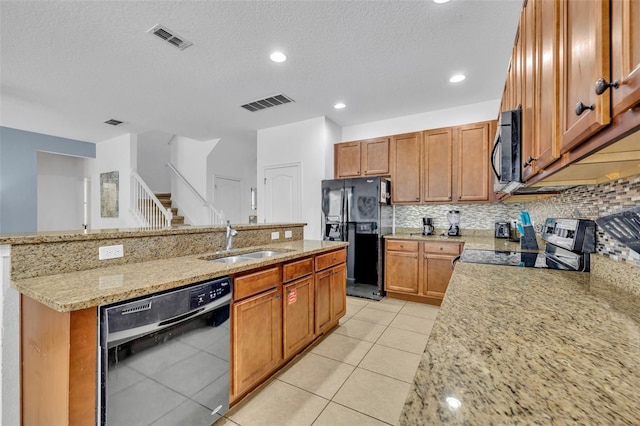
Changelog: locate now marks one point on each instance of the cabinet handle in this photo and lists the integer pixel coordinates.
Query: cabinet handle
(530, 161)
(278, 296)
(602, 85)
(580, 108)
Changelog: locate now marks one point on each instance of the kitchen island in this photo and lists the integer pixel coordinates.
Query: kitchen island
(527, 346)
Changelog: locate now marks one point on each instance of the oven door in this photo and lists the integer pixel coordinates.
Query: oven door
(165, 359)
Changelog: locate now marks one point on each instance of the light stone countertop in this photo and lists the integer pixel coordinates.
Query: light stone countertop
(530, 346)
(84, 289)
(471, 240)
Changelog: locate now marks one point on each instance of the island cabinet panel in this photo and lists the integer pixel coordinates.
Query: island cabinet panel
(584, 58)
(473, 162)
(256, 340)
(323, 299)
(298, 315)
(58, 365)
(625, 54)
(437, 161)
(256, 282)
(331, 290)
(405, 168)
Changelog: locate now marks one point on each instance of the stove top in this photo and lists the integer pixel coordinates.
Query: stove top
(513, 258)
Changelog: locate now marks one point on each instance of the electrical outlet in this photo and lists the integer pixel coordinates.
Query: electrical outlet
(288, 234)
(275, 235)
(110, 252)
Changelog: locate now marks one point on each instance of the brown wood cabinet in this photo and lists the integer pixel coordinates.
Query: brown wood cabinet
(473, 161)
(298, 306)
(331, 290)
(58, 365)
(527, 76)
(419, 271)
(437, 161)
(401, 266)
(362, 158)
(256, 338)
(584, 58)
(406, 168)
(625, 54)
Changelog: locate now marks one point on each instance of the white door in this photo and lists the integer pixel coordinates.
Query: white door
(227, 198)
(282, 193)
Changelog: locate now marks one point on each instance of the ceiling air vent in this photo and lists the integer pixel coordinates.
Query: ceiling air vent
(170, 36)
(113, 122)
(269, 102)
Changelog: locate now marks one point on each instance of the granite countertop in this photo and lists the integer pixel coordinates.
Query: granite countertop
(78, 290)
(528, 346)
(471, 240)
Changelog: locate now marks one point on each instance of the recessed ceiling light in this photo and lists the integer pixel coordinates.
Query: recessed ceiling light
(278, 57)
(457, 78)
(441, 1)
(339, 105)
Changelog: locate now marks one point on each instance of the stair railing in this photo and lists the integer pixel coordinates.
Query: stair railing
(146, 207)
(191, 203)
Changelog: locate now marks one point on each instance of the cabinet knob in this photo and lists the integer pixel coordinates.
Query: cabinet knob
(530, 161)
(602, 85)
(278, 296)
(440, 248)
(580, 108)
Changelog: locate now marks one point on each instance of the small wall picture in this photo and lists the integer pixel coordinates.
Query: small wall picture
(109, 194)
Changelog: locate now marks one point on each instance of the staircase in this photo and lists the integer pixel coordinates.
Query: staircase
(165, 199)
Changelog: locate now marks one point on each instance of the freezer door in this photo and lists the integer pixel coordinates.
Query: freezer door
(363, 199)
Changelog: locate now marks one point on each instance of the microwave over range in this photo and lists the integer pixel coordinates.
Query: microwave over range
(506, 154)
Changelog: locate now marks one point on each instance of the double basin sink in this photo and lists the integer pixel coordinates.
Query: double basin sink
(244, 257)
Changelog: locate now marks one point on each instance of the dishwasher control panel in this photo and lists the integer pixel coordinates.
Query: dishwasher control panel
(208, 292)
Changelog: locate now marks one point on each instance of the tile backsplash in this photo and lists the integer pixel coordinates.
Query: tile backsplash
(592, 202)
(472, 216)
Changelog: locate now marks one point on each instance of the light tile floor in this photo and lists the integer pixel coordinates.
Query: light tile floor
(358, 375)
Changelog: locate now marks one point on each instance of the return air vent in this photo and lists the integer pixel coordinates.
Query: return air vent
(113, 122)
(269, 102)
(170, 36)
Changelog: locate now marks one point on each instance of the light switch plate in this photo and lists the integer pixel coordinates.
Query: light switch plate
(275, 235)
(288, 234)
(110, 252)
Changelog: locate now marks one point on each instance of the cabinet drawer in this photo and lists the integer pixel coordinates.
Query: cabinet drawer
(442, 248)
(326, 260)
(395, 245)
(297, 269)
(254, 283)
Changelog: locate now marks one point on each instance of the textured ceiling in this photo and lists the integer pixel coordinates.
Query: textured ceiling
(67, 66)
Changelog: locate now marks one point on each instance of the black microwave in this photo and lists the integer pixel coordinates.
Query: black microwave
(506, 154)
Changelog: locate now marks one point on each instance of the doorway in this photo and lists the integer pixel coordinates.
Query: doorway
(227, 198)
(282, 193)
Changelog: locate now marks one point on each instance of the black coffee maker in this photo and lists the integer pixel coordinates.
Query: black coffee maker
(427, 226)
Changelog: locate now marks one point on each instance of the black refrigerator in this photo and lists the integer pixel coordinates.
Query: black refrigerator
(357, 210)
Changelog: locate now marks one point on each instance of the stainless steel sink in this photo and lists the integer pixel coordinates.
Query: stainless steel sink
(232, 259)
(262, 253)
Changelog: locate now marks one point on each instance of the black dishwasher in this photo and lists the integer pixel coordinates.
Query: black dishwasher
(164, 359)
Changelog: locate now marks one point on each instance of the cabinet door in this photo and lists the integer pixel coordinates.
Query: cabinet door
(625, 54)
(437, 272)
(298, 315)
(375, 157)
(405, 165)
(437, 163)
(338, 292)
(528, 39)
(401, 272)
(547, 144)
(256, 340)
(323, 299)
(473, 162)
(347, 159)
(584, 58)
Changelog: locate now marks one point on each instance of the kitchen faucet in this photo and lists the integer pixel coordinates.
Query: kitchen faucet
(230, 234)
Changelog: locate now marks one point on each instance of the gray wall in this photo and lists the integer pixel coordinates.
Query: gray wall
(19, 174)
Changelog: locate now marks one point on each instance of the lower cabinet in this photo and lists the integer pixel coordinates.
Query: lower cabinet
(331, 290)
(298, 315)
(256, 338)
(419, 271)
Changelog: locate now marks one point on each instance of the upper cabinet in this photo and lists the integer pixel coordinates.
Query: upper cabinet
(625, 54)
(405, 168)
(473, 161)
(437, 162)
(584, 59)
(362, 158)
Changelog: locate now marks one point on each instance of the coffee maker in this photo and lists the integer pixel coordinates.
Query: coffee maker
(427, 226)
(454, 220)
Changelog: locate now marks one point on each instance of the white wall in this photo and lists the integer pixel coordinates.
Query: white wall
(60, 192)
(117, 154)
(481, 111)
(334, 136)
(235, 157)
(189, 156)
(154, 152)
(308, 143)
